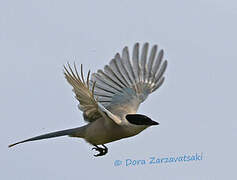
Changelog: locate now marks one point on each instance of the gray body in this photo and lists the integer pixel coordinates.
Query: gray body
(105, 131)
(110, 98)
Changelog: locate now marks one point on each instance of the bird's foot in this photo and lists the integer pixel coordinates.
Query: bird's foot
(102, 151)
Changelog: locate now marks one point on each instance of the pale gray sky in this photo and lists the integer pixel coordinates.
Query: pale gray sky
(196, 106)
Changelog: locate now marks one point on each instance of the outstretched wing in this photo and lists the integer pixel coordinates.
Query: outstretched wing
(92, 109)
(124, 84)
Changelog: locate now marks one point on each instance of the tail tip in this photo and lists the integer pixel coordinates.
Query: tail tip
(11, 145)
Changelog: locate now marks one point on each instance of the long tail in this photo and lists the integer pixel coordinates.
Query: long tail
(76, 132)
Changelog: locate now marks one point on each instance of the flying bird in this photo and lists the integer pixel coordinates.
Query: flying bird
(109, 98)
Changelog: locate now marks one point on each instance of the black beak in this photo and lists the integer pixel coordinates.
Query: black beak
(154, 123)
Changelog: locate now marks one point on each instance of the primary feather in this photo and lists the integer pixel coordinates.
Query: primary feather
(125, 83)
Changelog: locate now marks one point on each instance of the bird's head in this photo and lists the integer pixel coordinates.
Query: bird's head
(140, 120)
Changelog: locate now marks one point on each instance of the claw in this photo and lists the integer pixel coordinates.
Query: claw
(102, 151)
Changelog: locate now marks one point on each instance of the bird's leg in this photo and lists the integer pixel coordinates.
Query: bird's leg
(105, 149)
(102, 151)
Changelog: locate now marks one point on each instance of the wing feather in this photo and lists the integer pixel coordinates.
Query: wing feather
(124, 84)
(92, 109)
(122, 69)
(158, 61)
(150, 63)
(100, 80)
(143, 61)
(86, 98)
(135, 58)
(116, 71)
(109, 72)
(160, 73)
(128, 66)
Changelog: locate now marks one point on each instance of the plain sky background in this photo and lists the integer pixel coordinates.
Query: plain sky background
(196, 106)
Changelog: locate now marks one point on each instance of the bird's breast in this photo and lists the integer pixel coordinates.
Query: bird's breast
(102, 133)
